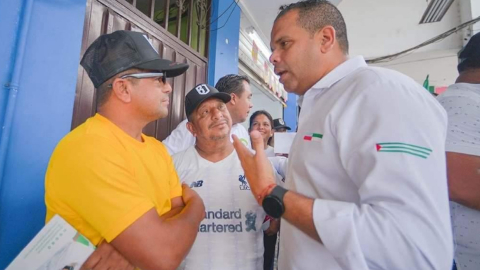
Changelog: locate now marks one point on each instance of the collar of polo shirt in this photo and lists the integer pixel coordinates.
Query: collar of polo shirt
(340, 72)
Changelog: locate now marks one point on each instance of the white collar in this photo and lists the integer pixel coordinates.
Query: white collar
(340, 72)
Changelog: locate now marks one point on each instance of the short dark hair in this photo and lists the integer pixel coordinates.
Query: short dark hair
(469, 56)
(257, 113)
(232, 84)
(103, 91)
(313, 15)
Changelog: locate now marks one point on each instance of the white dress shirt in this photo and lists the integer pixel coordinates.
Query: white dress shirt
(180, 138)
(370, 149)
(462, 103)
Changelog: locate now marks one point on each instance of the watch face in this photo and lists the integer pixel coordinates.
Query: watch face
(272, 206)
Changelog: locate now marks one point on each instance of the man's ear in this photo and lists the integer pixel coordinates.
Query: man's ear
(326, 38)
(191, 128)
(233, 99)
(122, 90)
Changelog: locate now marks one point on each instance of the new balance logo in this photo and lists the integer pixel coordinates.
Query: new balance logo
(198, 183)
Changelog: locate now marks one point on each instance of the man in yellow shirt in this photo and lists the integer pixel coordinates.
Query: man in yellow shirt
(113, 183)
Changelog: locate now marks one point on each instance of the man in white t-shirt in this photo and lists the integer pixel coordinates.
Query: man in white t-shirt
(238, 87)
(462, 103)
(366, 184)
(231, 235)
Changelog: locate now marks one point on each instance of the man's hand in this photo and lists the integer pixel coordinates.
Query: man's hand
(190, 196)
(106, 257)
(273, 228)
(257, 168)
(177, 207)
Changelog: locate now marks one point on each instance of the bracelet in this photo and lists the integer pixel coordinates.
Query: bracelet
(265, 192)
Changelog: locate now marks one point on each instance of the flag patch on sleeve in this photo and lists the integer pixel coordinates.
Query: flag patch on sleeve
(410, 149)
(313, 137)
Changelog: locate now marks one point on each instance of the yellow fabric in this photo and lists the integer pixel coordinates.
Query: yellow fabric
(100, 180)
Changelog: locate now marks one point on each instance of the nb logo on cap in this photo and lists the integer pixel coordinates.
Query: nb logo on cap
(202, 89)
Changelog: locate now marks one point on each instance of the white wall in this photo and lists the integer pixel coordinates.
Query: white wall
(441, 65)
(469, 9)
(475, 8)
(262, 102)
(381, 27)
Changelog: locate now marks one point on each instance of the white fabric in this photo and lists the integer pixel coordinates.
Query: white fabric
(223, 187)
(373, 210)
(280, 164)
(462, 103)
(269, 151)
(180, 138)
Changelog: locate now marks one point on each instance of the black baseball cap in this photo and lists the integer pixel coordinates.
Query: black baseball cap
(199, 94)
(469, 56)
(279, 123)
(121, 50)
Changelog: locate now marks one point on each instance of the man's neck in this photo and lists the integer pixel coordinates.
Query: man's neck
(232, 114)
(334, 62)
(469, 76)
(214, 150)
(130, 126)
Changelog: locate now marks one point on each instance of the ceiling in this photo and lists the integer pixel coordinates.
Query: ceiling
(392, 26)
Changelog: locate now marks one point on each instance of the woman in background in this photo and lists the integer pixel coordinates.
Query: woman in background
(263, 122)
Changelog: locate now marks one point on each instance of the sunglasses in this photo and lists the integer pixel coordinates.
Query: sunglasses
(160, 76)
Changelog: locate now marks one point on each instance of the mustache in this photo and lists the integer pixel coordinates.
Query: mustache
(218, 123)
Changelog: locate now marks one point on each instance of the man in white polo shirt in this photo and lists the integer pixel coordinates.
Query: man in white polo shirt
(462, 102)
(366, 183)
(231, 235)
(238, 87)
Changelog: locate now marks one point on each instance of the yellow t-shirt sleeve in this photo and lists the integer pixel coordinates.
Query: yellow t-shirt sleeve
(175, 185)
(99, 184)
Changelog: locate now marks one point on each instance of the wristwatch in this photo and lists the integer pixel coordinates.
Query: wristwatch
(273, 203)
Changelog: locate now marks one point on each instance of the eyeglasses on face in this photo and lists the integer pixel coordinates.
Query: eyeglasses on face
(159, 76)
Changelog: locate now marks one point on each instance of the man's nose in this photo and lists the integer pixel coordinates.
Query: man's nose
(167, 88)
(217, 114)
(274, 58)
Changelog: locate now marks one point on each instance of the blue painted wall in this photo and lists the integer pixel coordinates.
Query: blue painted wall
(10, 11)
(43, 108)
(223, 56)
(290, 112)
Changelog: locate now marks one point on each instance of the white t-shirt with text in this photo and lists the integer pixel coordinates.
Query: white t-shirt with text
(230, 236)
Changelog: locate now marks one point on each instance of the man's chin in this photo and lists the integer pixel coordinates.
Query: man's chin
(289, 87)
(219, 137)
(162, 114)
(243, 119)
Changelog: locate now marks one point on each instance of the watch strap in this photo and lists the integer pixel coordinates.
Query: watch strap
(278, 192)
